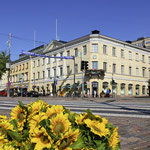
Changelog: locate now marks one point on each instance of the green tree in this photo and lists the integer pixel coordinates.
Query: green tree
(4, 58)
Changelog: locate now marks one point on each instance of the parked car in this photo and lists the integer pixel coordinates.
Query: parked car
(3, 93)
(32, 94)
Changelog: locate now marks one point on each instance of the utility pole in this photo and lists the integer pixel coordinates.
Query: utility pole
(8, 85)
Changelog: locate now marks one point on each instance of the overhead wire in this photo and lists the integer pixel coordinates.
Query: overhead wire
(22, 38)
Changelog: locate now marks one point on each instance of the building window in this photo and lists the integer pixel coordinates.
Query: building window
(94, 48)
(130, 89)
(27, 66)
(105, 66)
(114, 51)
(122, 53)
(84, 50)
(48, 71)
(105, 87)
(143, 71)
(68, 53)
(16, 68)
(130, 70)
(68, 70)
(38, 63)
(130, 55)
(61, 55)
(149, 60)
(143, 89)
(122, 89)
(43, 74)
(61, 70)
(94, 64)
(20, 68)
(26, 76)
(54, 72)
(76, 68)
(104, 49)
(114, 68)
(76, 52)
(122, 69)
(137, 89)
(33, 64)
(38, 75)
(48, 61)
(43, 61)
(55, 58)
(23, 67)
(34, 76)
(137, 57)
(143, 58)
(137, 71)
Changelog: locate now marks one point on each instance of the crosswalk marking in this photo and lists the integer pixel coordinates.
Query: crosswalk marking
(106, 109)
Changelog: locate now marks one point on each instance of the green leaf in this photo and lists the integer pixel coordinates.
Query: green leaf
(22, 105)
(14, 123)
(15, 136)
(98, 142)
(90, 115)
(78, 144)
(101, 147)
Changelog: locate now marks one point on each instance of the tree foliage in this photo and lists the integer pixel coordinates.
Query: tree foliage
(4, 58)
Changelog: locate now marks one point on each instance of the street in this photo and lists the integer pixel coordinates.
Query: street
(131, 115)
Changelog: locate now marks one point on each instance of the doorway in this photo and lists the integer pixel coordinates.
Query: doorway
(94, 89)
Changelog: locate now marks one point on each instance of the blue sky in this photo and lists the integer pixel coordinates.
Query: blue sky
(120, 19)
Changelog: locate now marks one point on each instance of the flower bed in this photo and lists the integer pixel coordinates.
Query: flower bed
(40, 126)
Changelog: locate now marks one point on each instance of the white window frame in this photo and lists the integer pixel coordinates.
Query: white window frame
(95, 48)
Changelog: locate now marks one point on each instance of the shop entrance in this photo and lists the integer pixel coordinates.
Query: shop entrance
(94, 89)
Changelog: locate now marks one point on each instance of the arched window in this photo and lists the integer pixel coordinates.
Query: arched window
(105, 86)
(137, 89)
(130, 89)
(122, 89)
(143, 89)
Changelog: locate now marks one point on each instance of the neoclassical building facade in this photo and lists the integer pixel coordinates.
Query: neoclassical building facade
(126, 64)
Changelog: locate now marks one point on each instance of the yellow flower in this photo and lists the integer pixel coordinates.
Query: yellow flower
(35, 107)
(35, 120)
(67, 139)
(3, 118)
(4, 127)
(19, 114)
(60, 123)
(9, 147)
(79, 119)
(97, 127)
(114, 139)
(104, 121)
(54, 110)
(41, 139)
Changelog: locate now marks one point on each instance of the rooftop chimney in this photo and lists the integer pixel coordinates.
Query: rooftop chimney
(95, 32)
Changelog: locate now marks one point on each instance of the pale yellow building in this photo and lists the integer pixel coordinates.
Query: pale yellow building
(126, 64)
